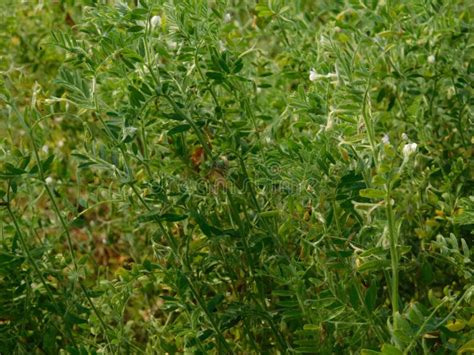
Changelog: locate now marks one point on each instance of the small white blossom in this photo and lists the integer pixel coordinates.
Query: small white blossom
(386, 139)
(332, 114)
(409, 149)
(324, 41)
(155, 21)
(330, 122)
(45, 149)
(227, 17)
(172, 44)
(404, 136)
(61, 143)
(431, 59)
(313, 75)
(49, 180)
(129, 131)
(337, 76)
(451, 92)
(222, 46)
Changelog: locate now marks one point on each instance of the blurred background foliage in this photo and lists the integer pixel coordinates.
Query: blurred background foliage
(172, 179)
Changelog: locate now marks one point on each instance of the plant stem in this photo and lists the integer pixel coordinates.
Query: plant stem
(394, 257)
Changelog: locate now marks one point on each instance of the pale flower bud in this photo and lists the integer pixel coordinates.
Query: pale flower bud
(313, 76)
(409, 149)
(222, 46)
(155, 21)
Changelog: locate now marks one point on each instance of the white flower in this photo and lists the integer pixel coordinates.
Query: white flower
(227, 17)
(409, 149)
(129, 131)
(324, 41)
(49, 180)
(451, 92)
(61, 143)
(386, 139)
(222, 47)
(404, 136)
(337, 76)
(313, 76)
(45, 149)
(431, 59)
(172, 44)
(155, 21)
(332, 114)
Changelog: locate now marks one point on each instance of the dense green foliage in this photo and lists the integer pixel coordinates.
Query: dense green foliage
(237, 177)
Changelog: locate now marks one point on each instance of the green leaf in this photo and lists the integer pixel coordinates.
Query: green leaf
(208, 230)
(217, 76)
(263, 10)
(47, 163)
(135, 29)
(181, 283)
(214, 302)
(414, 315)
(174, 116)
(377, 251)
(13, 171)
(372, 193)
(312, 327)
(369, 352)
(74, 319)
(388, 349)
(135, 96)
(373, 265)
(371, 296)
(467, 347)
(179, 129)
(354, 297)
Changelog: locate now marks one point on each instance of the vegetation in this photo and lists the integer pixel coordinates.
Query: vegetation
(236, 177)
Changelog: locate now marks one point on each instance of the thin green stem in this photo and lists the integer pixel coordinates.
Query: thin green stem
(394, 257)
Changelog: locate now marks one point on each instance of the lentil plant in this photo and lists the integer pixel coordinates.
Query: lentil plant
(236, 177)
